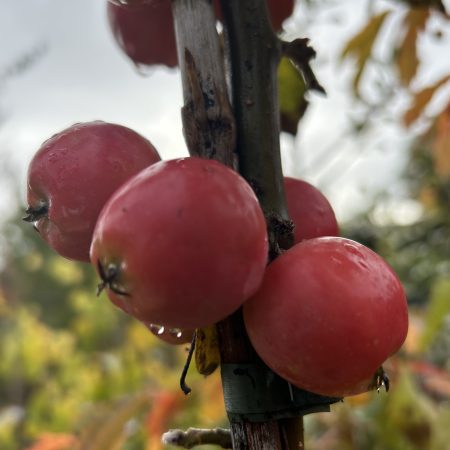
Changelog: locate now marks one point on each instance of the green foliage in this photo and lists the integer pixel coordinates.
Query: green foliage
(437, 309)
(72, 363)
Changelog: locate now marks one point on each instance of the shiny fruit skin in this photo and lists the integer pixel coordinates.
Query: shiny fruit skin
(172, 336)
(279, 11)
(144, 31)
(188, 240)
(310, 210)
(74, 173)
(329, 312)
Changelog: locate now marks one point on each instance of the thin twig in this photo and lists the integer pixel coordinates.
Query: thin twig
(198, 436)
(184, 387)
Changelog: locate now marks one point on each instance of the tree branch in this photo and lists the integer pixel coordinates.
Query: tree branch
(254, 52)
(208, 121)
(198, 436)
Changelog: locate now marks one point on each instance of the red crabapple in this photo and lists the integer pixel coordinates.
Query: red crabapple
(144, 31)
(183, 244)
(328, 313)
(72, 176)
(310, 210)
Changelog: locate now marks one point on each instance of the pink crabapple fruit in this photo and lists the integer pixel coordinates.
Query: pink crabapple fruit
(310, 210)
(328, 313)
(72, 176)
(183, 244)
(144, 31)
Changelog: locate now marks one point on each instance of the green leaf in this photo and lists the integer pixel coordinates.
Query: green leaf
(438, 308)
(291, 93)
(108, 432)
(360, 46)
(406, 421)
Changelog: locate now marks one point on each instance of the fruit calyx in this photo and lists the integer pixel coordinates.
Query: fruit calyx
(380, 379)
(109, 279)
(34, 213)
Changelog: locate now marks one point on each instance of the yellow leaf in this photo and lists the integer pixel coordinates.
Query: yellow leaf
(407, 60)
(291, 94)
(360, 45)
(421, 100)
(207, 355)
(165, 405)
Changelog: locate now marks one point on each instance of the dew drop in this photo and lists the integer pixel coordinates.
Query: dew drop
(144, 70)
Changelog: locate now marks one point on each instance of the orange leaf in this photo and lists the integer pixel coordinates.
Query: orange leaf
(54, 441)
(108, 431)
(165, 406)
(407, 60)
(360, 45)
(421, 100)
(441, 146)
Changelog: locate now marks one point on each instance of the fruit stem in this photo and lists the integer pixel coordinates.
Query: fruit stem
(184, 387)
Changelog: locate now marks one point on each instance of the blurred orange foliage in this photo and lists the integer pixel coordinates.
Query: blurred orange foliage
(55, 441)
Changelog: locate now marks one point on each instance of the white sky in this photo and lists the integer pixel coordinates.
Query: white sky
(83, 76)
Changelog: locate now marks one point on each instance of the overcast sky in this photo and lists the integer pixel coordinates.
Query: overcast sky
(81, 76)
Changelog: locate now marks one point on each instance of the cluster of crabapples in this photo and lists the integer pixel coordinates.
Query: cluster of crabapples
(183, 244)
(138, 25)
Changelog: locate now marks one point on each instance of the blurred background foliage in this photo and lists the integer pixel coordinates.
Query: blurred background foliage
(77, 374)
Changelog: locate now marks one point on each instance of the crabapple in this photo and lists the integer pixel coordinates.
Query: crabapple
(72, 176)
(328, 313)
(183, 244)
(310, 210)
(144, 31)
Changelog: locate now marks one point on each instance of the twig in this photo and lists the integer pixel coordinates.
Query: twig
(184, 387)
(198, 436)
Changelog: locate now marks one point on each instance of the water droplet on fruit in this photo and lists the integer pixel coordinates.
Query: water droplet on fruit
(161, 331)
(176, 332)
(144, 70)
